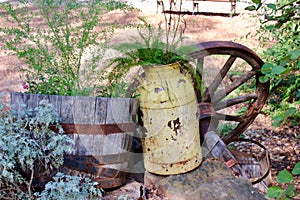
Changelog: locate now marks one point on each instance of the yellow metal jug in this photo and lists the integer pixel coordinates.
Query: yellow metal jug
(171, 144)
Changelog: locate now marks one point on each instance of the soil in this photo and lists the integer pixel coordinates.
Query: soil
(283, 143)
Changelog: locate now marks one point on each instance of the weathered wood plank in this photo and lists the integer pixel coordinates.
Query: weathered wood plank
(100, 110)
(16, 99)
(132, 109)
(56, 101)
(17, 103)
(31, 101)
(100, 118)
(84, 108)
(118, 110)
(67, 109)
(42, 98)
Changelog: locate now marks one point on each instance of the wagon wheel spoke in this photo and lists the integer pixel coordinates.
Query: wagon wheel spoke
(221, 94)
(235, 100)
(221, 116)
(218, 79)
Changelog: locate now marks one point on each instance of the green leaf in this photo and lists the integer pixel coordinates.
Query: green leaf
(284, 177)
(274, 192)
(266, 68)
(270, 27)
(295, 54)
(259, 6)
(256, 1)
(287, 71)
(263, 79)
(290, 111)
(289, 191)
(277, 120)
(272, 6)
(296, 170)
(250, 8)
(285, 59)
(278, 69)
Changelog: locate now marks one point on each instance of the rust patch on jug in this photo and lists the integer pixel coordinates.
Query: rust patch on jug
(174, 125)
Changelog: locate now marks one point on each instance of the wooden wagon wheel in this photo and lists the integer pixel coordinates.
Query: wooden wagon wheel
(230, 76)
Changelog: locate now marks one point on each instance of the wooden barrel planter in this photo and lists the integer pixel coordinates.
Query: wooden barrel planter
(101, 128)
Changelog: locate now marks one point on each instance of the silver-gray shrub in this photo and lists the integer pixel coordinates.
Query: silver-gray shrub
(28, 147)
(65, 187)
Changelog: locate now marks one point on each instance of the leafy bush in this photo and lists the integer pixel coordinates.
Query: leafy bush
(28, 149)
(279, 33)
(66, 187)
(54, 50)
(284, 177)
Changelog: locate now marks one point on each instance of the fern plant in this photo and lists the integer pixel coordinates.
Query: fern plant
(153, 46)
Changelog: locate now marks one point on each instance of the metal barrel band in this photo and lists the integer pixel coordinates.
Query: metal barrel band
(90, 165)
(267, 156)
(92, 129)
(230, 163)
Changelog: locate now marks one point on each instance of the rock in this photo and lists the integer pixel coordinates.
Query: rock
(212, 180)
(129, 191)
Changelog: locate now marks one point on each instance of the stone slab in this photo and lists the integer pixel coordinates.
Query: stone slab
(212, 180)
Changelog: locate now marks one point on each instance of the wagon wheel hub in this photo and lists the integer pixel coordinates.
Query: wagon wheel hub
(232, 92)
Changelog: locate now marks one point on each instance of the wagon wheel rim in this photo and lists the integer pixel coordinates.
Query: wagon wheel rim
(217, 98)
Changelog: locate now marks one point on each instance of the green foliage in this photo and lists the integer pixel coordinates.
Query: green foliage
(54, 50)
(151, 48)
(155, 45)
(287, 111)
(296, 169)
(225, 128)
(284, 177)
(67, 187)
(279, 34)
(28, 147)
(275, 191)
(118, 89)
(148, 49)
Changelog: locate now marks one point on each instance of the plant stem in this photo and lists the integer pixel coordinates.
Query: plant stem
(178, 23)
(30, 182)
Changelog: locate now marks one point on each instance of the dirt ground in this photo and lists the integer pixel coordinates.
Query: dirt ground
(281, 142)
